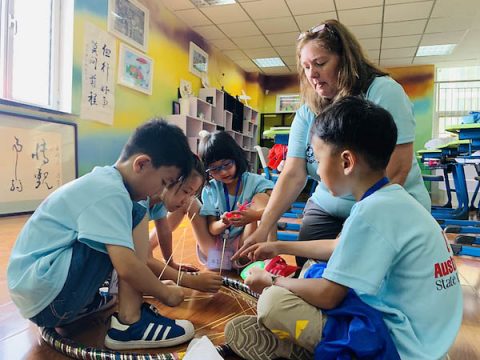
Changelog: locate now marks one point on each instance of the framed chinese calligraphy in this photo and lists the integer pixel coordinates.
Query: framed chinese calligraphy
(129, 20)
(38, 156)
(135, 69)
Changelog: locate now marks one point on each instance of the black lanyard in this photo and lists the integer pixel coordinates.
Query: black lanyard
(227, 197)
(378, 185)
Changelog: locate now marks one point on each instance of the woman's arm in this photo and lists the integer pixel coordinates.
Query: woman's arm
(400, 163)
(289, 185)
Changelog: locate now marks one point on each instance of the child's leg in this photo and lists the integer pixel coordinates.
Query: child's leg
(79, 296)
(290, 317)
(204, 239)
(129, 299)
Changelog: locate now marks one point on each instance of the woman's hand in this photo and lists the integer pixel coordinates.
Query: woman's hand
(258, 236)
(261, 251)
(258, 279)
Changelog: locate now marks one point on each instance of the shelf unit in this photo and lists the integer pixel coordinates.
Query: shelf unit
(207, 112)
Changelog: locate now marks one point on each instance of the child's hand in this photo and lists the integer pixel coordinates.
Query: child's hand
(184, 267)
(205, 281)
(258, 279)
(226, 219)
(174, 296)
(243, 217)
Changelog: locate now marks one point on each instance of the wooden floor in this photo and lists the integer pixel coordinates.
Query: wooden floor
(19, 339)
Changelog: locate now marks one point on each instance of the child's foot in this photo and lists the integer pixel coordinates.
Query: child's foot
(252, 342)
(151, 331)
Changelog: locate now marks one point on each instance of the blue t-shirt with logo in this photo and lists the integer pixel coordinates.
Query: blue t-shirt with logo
(387, 93)
(394, 255)
(95, 209)
(214, 202)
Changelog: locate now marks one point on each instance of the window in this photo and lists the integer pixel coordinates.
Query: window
(457, 93)
(36, 51)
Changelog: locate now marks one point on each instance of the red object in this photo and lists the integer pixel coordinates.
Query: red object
(243, 207)
(278, 266)
(277, 153)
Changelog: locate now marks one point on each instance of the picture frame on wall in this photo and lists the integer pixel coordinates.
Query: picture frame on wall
(129, 21)
(135, 69)
(175, 107)
(287, 103)
(198, 60)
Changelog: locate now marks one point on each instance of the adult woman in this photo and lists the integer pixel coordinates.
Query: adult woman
(331, 65)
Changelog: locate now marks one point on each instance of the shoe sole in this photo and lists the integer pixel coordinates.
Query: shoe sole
(246, 339)
(145, 344)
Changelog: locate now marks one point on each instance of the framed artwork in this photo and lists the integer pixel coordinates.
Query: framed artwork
(287, 103)
(198, 61)
(175, 107)
(135, 69)
(129, 20)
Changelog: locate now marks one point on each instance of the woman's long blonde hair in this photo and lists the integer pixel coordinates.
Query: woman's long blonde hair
(355, 70)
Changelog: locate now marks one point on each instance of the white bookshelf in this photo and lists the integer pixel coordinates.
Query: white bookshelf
(207, 113)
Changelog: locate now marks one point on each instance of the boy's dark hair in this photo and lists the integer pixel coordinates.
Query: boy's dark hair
(360, 125)
(219, 146)
(164, 143)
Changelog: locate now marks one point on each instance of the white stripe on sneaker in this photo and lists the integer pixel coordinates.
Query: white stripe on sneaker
(165, 334)
(155, 335)
(147, 331)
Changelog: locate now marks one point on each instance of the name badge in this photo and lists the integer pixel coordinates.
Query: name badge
(214, 259)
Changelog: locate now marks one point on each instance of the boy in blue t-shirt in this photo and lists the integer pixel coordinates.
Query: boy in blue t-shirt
(391, 255)
(92, 225)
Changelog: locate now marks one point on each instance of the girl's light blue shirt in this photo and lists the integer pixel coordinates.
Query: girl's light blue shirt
(213, 197)
(387, 93)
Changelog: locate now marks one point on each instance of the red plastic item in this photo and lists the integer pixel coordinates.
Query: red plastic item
(277, 153)
(243, 207)
(278, 266)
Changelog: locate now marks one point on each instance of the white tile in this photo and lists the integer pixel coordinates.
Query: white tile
(251, 42)
(286, 50)
(372, 54)
(261, 53)
(209, 32)
(193, 17)
(277, 71)
(456, 8)
(290, 60)
(403, 12)
(412, 27)
(407, 61)
(448, 24)
(266, 9)
(306, 22)
(300, 7)
(277, 25)
(397, 53)
(400, 41)
(283, 39)
(238, 29)
(453, 37)
(224, 44)
(370, 44)
(246, 64)
(357, 4)
(178, 4)
(225, 13)
(235, 55)
(372, 15)
(389, 2)
(366, 31)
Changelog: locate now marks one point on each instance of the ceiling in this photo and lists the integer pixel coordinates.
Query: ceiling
(389, 30)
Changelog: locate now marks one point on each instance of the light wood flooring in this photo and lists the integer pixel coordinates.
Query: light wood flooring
(19, 339)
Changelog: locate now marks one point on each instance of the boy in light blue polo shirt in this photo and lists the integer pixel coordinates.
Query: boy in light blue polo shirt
(391, 253)
(89, 227)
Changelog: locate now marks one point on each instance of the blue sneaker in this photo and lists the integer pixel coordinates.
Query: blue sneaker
(151, 331)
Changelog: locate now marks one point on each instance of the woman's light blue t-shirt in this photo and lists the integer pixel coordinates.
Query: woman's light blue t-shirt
(213, 197)
(95, 209)
(412, 280)
(387, 93)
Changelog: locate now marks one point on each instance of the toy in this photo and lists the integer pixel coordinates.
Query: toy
(235, 214)
(246, 271)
